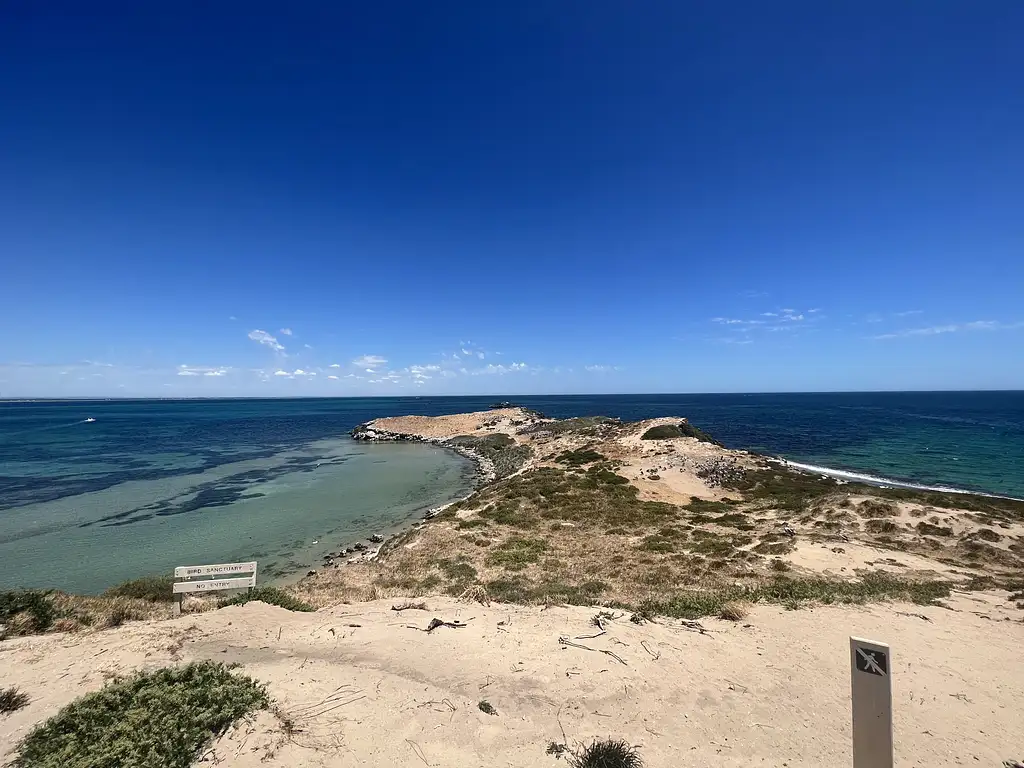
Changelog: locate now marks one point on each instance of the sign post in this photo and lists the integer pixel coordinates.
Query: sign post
(211, 584)
(871, 689)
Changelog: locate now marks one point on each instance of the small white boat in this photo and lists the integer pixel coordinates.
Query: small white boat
(90, 419)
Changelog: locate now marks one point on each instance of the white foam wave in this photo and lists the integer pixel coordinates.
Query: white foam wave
(875, 480)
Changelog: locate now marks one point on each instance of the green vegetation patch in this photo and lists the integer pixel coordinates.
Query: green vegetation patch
(657, 544)
(595, 497)
(458, 569)
(272, 596)
(927, 529)
(516, 553)
(877, 508)
(588, 426)
(509, 512)
(991, 507)
(163, 718)
(880, 526)
(579, 457)
(156, 589)
(502, 451)
(781, 488)
(683, 429)
(794, 591)
(736, 520)
(33, 606)
(519, 590)
(706, 507)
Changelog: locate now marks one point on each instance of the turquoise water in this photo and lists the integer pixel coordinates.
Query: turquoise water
(151, 484)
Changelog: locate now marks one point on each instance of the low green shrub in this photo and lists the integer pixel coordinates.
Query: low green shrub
(271, 596)
(682, 429)
(162, 718)
(157, 589)
(34, 603)
(516, 553)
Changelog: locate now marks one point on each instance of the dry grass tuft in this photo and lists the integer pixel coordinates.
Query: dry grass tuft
(12, 699)
(734, 610)
(67, 625)
(608, 753)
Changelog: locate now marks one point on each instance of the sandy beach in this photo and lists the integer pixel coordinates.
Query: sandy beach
(364, 686)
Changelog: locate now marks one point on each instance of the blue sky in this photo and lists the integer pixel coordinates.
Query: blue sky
(540, 197)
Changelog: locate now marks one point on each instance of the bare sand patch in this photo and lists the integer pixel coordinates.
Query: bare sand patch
(356, 685)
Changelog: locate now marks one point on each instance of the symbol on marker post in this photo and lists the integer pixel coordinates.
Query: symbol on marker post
(872, 662)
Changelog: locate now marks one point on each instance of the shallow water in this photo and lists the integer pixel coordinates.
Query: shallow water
(83, 514)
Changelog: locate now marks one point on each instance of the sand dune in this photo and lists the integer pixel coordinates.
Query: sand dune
(771, 690)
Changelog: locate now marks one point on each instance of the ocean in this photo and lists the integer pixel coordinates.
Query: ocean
(96, 492)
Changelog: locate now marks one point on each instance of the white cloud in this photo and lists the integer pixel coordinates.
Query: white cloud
(449, 374)
(601, 368)
(369, 362)
(788, 311)
(232, 318)
(424, 368)
(814, 311)
(937, 330)
(909, 312)
(769, 314)
(734, 321)
(334, 365)
(333, 377)
(466, 352)
(480, 355)
(300, 372)
(264, 338)
(191, 370)
(500, 370)
(282, 373)
(286, 331)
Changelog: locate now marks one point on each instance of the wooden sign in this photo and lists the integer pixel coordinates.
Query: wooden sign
(190, 571)
(871, 691)
(180, 588)
(212, 585)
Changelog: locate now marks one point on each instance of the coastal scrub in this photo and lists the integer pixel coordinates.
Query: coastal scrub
(160, 718)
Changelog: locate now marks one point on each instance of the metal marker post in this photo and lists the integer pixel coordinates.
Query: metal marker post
(871, 689)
